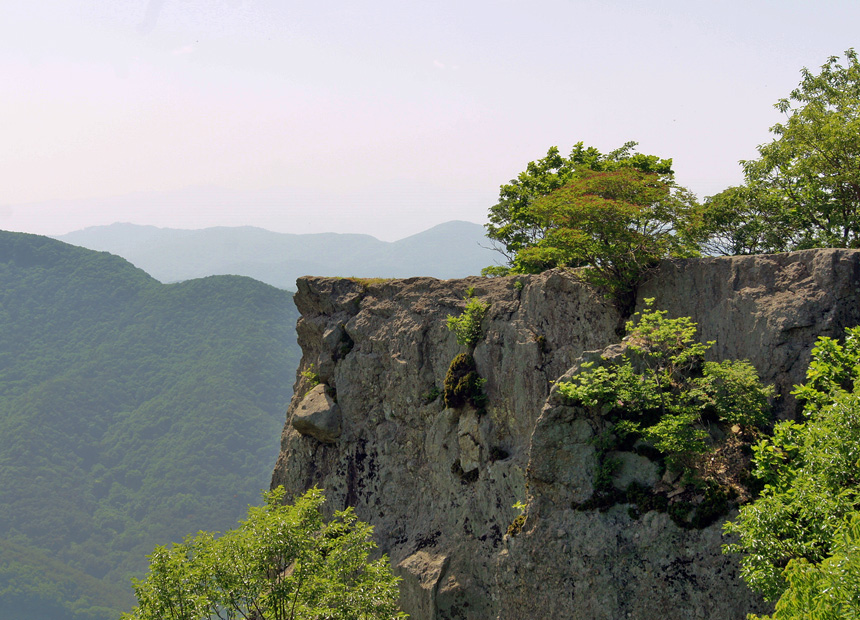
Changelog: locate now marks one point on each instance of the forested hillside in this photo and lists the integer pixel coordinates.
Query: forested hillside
(131, 413)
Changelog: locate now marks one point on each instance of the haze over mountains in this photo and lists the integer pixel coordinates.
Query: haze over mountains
(450, 250)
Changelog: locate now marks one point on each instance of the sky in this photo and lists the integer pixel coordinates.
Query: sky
(384, 117)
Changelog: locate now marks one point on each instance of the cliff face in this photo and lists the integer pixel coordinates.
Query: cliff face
(439, 484)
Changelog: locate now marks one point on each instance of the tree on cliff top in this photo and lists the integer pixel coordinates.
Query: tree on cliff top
(616, 224)
(803, 191)
(615, 214)
(513, 223)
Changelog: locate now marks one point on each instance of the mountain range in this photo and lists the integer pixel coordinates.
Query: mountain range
(132, 413)
(451, 250)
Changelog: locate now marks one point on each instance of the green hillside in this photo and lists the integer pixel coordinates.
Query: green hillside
(131, 413)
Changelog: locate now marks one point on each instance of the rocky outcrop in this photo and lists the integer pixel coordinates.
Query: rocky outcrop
(439, 484)
(318, 416)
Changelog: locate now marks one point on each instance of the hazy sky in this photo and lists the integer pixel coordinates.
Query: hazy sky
(382, 117)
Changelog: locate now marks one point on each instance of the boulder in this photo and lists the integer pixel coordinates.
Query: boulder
(318, 415)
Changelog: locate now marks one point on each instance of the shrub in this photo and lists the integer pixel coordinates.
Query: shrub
(662, 389)
(463, 384)
(467, 326)
(810, 473)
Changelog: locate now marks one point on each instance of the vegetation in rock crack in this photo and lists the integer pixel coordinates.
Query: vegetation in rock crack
(311, 378)
(467, 326)
(519, 521)
(284, 562)
(463, 385)
(661, 395)
(799, 537)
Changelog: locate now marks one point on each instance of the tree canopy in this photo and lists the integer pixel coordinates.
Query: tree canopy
(512, 222)
(615, 214)
(616, 224)
(803, 191)
(284, 562)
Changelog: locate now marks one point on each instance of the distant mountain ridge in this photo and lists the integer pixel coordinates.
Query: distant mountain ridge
(451, 250)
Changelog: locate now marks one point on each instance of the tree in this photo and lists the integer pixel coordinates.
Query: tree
(512, 223)
(810, 474)
(827, 590)
(615, 223)
(809, 175)
(283, 562)
(739, 220)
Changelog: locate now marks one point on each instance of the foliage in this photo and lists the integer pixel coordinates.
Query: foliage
(130, 411)
(664, 391)
(810, 471)
(311, 377)
(616, 224)
(512, 222)
(812, 160)
(803, 191)
(283, 562)
(463, 384)
(830, 589)
(739, 220)
(467, 326)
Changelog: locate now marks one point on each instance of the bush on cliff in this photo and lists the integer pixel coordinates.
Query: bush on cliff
(467, 326)
(660, 399)
(463, 384)
(665, 393)
(811, 476)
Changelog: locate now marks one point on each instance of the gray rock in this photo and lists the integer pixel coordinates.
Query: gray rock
(634, 468)
(469, 440)
(318, 416)
(395, 458)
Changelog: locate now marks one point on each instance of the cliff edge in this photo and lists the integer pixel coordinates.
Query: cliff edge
(439, 484)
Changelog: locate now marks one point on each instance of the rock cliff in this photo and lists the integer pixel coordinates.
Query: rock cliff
(439, 484)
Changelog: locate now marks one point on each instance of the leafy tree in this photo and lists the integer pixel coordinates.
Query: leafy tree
(513, 224)
(739, 220)
(803, 191)
(810, 472)
(827, 590)
(284, 562)
(616, 223)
